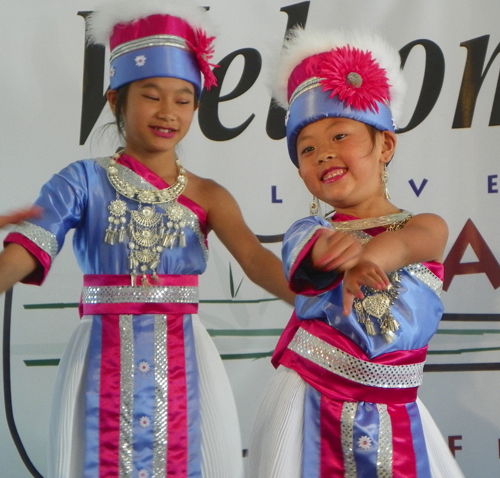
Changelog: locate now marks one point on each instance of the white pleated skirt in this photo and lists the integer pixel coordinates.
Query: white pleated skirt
(275, 449)
(220, 432)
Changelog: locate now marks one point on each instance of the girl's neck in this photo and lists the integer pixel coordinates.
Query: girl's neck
(376, 208)
(162, 164)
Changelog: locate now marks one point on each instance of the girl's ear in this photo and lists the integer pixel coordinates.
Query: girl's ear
(388, 146)
(112, 97)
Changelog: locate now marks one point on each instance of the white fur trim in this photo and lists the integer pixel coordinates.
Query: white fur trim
(302, 44)
(113, 12)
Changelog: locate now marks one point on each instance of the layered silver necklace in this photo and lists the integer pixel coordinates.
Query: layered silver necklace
(149, 232)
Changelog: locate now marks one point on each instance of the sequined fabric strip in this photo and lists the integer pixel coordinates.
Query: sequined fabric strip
(133, 295)
(126, 395)
(341, 363)
(346, 431)
(137, 181)
(302, 244)
(426, 276)
(145, 42)
(44, 239)
(307, 85)
(161, 397)
(385, 451)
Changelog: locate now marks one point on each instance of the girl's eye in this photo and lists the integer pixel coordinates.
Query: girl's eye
(307, 149)
(153, 98)
(339, 136)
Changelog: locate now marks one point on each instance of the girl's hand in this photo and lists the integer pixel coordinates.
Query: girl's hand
(365, 273)
(334, 250)
(18, 216)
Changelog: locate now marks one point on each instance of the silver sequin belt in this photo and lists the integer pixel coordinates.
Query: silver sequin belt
(345, 365)
(135, 295)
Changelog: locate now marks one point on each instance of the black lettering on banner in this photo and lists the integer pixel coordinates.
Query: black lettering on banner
(275, 125)
(472, 81)
(208, 114)
(432, 81)
(93, 99)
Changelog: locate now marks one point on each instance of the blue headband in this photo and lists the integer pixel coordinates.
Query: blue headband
(155, 61)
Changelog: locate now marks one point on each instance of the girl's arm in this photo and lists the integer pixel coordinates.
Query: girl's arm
(18, 216)
(259, 264)
(15, 264)
(423, 239)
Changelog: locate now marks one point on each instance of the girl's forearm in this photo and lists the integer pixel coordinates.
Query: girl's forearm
(15, 264)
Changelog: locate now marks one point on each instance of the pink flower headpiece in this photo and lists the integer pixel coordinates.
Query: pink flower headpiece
(355, 77)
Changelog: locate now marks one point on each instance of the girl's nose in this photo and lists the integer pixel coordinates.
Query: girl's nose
(324, 157)
(166, 113)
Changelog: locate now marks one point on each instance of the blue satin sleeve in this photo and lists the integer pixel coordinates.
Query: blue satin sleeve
(418, 310)
(301, 275)
(63, 200)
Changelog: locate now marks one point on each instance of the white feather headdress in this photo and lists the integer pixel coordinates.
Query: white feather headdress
(113, 12)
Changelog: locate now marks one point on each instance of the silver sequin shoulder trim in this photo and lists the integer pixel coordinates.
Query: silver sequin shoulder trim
(44, 239)
(149, 295)
(426, 276)
(297, 250)
(366, 373)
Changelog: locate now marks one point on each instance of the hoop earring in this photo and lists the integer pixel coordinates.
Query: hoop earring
(385, 177)
(314, 207)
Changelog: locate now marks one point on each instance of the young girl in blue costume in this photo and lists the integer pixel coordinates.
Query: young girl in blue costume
(343, 402)
(141, 390)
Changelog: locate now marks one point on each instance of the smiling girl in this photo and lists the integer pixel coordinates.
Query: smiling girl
(141, 390)
(343, 402)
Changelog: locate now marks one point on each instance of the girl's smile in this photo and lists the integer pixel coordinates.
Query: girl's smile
(164, 132)
(333, 174)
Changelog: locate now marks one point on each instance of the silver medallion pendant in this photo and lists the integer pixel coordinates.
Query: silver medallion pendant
(375, 308)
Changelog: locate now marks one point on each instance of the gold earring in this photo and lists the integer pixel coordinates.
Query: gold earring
(314, 207)
(385, 177)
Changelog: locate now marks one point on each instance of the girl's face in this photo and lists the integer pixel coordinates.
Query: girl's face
(341, 161)
(157, 114)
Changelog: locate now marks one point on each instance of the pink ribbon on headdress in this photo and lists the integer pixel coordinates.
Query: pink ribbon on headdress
(204, 50)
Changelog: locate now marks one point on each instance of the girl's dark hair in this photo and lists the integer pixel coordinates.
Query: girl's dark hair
(119, 107)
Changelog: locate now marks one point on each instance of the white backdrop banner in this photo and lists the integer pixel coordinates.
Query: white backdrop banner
(53, 111)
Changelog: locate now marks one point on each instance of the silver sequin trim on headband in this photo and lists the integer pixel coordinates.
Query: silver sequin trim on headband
(305, 86)
(366, 373)
(149, 295)
(146, 42)
(44, 239)
(425, 275)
